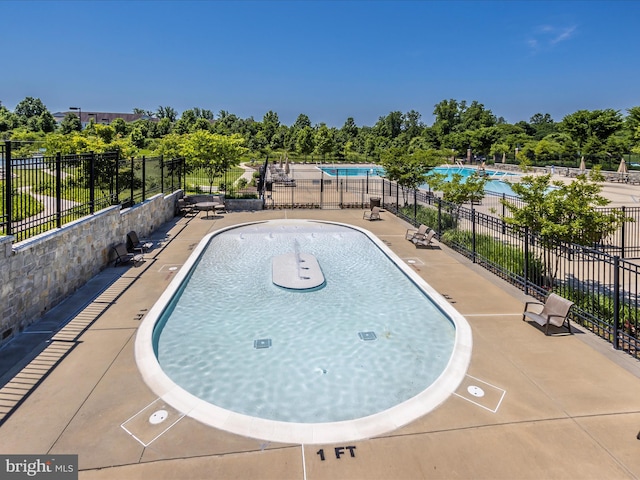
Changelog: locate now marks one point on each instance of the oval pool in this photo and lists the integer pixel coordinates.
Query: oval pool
(370, 350)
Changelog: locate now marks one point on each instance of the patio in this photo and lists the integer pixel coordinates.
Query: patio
(563, 406)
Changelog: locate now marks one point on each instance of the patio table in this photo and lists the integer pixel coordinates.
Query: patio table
(208, 206)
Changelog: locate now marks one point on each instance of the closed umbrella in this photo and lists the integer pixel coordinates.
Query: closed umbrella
(583, 166)
(504, 158)
(286, 165)
(622, 168)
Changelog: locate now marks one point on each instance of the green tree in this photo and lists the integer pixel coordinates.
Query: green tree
(212, 152)
(167, 112)
(301, 122)
(70, 123)
(548, 150)
(8, 120)
(46, 122)
(138, 137)
(30, 107)
(350, 129)
(411, 124)
(474, 116)
(270, 124)
(120, 126)
(170, 146)
(562, 212)
(323, 140)
(458, 190)
(305, 141)
(447, 118)
(408, 169)
(591, 129)
(542, 125)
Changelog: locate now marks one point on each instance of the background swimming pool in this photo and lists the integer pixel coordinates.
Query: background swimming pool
(318, 368)
(496, 183)
(353, 171)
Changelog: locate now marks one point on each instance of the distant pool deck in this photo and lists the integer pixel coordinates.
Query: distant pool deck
(617, 193)
(530, 406)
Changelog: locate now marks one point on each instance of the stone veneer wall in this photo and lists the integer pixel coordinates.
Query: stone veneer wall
(40, 272)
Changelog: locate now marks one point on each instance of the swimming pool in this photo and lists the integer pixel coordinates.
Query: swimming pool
(498, 180)
(353, 171)
(247, 356)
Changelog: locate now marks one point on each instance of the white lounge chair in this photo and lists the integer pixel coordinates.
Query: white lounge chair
(426, 241)
(413, 234)
(555, 311)
(373, 214)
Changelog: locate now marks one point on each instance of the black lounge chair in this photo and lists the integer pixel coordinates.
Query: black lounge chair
(123, 256)
(135, 244)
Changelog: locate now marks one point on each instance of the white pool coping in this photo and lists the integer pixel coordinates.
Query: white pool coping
(303, 433)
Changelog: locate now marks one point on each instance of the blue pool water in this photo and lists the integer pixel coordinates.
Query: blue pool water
(496, 183)
(353, 171)
(374, 337)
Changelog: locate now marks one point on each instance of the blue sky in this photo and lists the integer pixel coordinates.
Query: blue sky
(329, 60)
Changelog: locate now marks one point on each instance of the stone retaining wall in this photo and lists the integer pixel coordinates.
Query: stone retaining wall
(244, 204)
(40, 272)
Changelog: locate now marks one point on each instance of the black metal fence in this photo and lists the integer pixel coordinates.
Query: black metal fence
(603, 280)
(602, 284)
(44, 192)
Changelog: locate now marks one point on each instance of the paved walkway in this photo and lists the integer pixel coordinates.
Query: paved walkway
(563, 406)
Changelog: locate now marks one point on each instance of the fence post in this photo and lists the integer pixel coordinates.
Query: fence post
(415, 206)
(116, 199)
(144, 178)
(623, 233)
(439, 217)
(92, 182)
(58, 190)
(473, 233)
(397, 197)
(616, 299)
(8, 181)
(162, 175)
(131, 202)
(184, 173)
(321, 189)
(526, 261)
(503, 214)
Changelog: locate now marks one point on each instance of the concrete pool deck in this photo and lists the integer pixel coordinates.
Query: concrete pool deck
(563, 406)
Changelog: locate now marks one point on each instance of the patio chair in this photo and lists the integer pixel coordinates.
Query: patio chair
(426, 241)
(134, 243)
(373, 214)
(555, 311)
(219, 205)
(185, 206)
(123, 256)
(413, 234)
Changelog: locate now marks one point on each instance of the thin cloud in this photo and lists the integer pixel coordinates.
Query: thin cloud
(565, 34)
(547, 36)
